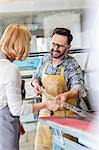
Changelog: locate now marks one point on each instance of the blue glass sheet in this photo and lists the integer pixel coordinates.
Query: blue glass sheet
(30, 63)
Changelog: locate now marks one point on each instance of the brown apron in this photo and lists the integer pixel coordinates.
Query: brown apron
(54, 85)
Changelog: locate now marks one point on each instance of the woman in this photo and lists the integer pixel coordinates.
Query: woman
(14, 45)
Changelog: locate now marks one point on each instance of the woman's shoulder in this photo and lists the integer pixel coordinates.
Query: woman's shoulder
(11, 72)
(11, 68)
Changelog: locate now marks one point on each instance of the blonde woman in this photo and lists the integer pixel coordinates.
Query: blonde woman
(14, 45)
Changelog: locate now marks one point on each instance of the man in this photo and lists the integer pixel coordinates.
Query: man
(58, 77)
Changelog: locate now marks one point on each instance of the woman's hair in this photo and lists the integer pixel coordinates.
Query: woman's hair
(15, 42)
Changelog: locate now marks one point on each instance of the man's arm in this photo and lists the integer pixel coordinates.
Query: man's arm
(75, 78)
(66, 96)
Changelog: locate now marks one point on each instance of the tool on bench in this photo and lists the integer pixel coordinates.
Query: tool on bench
(83, 114)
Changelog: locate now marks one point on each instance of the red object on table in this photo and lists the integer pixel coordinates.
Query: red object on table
(71, 122)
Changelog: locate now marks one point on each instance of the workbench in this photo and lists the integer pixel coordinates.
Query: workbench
(75, 127)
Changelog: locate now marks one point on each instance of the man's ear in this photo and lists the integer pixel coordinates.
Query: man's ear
(68, 47)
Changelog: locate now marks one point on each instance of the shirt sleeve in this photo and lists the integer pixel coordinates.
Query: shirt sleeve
(38, 72)
(13, 93)
(76, 78)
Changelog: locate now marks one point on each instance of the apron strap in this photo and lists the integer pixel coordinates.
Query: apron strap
(62, 71)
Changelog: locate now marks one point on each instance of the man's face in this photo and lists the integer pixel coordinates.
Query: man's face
(59, 45)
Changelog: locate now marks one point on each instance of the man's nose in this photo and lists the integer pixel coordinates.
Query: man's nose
(56, 47)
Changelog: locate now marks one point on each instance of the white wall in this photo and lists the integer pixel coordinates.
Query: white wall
(67, 20)
(7, 6)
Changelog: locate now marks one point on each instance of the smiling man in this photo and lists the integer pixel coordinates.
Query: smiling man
(60, 76)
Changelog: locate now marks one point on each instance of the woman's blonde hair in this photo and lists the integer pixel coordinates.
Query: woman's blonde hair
(15, 42)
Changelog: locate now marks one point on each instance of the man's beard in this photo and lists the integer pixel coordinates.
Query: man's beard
(59, 54)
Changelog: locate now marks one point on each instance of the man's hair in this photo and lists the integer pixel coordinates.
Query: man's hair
(65, 32)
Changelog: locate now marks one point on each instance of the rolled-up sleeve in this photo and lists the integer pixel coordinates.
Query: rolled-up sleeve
(76, 78)
(38, 72)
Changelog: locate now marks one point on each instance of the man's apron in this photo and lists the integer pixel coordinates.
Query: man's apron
(9, 130)
(54, 85)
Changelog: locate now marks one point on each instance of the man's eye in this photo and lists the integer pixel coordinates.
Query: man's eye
(53, 44)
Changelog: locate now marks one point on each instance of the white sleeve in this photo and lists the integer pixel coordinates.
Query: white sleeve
(13, 93)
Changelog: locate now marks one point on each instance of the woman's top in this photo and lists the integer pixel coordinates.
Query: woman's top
(10, 89)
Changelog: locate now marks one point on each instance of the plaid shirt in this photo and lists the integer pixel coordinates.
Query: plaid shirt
(72, 72)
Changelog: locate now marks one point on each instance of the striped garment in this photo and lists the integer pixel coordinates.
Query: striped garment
(73, 73)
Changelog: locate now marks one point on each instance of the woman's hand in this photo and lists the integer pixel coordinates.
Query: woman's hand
(52, 105)
(22, 131)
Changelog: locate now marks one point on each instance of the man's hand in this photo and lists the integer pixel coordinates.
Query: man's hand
(66, 96)
(37, 86)
(37, 89)
(63, 97)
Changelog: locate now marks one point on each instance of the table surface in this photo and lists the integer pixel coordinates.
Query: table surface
(74, 126)
(73, 122)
